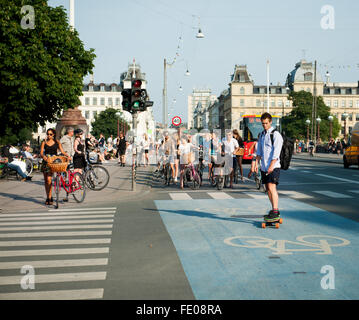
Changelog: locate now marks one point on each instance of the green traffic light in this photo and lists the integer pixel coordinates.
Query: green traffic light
(136, 104)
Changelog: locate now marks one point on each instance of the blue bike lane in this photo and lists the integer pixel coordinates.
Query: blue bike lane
(227, 255)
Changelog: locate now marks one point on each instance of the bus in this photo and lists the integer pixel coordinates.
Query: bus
(251, 127)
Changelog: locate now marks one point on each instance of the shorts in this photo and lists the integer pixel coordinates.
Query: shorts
(146, 150)
(271, 178)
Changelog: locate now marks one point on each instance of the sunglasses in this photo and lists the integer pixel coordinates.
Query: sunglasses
(50, 134)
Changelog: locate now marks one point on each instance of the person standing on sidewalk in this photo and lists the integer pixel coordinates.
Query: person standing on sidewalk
(268, 153)
(67, 142)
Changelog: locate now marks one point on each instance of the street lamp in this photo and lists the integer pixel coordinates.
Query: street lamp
(330, 118)
(308, 123)
(118, 114)
(345, 116)
(318, 122)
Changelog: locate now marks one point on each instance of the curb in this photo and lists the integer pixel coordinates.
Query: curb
(337, 161)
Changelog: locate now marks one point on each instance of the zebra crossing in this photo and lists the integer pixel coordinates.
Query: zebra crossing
(222, 195)
(67, 249)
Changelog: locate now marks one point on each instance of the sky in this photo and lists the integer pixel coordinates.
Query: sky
(236, 32)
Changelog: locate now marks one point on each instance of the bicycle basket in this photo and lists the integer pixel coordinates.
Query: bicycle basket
(57, 163)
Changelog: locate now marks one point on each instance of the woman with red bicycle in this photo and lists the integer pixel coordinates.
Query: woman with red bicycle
(49, 148)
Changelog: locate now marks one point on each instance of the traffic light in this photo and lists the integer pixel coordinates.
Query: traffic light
(138, 96)
(126, 100)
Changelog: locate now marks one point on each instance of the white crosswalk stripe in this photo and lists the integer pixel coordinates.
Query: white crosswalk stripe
(50, 240)
(332, 194)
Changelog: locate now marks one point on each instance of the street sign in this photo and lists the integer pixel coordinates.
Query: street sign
(176, 121)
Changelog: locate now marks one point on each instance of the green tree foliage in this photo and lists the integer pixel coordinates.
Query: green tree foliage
(41, 69)
(106, 123)
(294, 124)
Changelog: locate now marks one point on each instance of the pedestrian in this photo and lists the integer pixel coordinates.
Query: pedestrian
(122, 145)
(186, 156)
(230, 148)
(268, 153)
(67, 141)
(49, 147)
(79, 158)
(339, 147)
(145, 143)
(239, 157)
(101, 143)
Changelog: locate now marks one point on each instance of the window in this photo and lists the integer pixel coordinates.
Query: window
(280, 103)
(113, 88)
(308, 90)
(328, 103)
(351, 103)
(241, 103)
(102, 88)
(94, 101)
(287, 103)
(117, 101)
(308, 76)
(110, 102)
(258, 102)
(87, 101)
(273, 103)
(87, 114)
(102, 101)
(357, 117)
(335, 103)
(90, 87)
(94, 114)
(343, 103)
(350, 118)
(357, 103)
(241, 90)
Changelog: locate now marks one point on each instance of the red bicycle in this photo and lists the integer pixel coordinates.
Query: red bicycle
(72, 182)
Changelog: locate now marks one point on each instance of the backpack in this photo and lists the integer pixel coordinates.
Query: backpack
(286, 152)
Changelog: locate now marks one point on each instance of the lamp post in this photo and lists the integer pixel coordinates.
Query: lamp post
(345, 116)
(318, 128)
(118, 114)
(330, 118)
(307, 123)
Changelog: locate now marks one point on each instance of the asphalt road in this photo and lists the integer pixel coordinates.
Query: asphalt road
(164, 243)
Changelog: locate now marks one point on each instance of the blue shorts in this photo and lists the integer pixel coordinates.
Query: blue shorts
(272, 177)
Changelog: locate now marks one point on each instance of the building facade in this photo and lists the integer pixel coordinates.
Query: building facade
(243, 96)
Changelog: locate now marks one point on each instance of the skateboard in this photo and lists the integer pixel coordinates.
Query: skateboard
(274, 223)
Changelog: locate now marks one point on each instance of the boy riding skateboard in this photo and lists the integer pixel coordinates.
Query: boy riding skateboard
(268, 153)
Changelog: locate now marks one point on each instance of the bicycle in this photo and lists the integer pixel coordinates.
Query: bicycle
(167, 171)
(72, 182)
(96, 177)
(192, 177)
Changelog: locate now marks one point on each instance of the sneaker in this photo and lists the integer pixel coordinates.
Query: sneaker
(175, 179)
(272, 216)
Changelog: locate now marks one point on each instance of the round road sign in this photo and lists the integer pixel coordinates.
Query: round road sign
(176, 121)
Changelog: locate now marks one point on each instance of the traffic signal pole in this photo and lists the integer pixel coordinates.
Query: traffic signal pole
(134, 150)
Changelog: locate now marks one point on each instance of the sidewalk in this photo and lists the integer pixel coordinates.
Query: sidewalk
(30, 196)
(321, 157)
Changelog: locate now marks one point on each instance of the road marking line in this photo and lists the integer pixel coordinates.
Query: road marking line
(87, 226)
(336, 178)
(354, 191)
(306, 171)
(180, 196)
(294, 194)
(54, 234)
(83, 209)
(56, 218)
(55, 295)
(52, 242)
(55, 214)
(219, 195)
(50, 252)
(55, 222)
(255, 195)
(54, 263)
(332, 194)
(58, 277)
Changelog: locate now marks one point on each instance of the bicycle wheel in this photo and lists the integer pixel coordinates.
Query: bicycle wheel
(220, 182)
(97, 178)
(57, 191)
(78, 189)
(29, 166)
(196, 181)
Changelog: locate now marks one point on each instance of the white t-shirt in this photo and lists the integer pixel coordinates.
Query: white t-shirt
(230, 146)
(146, 144)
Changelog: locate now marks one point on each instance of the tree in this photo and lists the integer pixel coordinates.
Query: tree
(41, 68)
(106, 123)
(294, 124)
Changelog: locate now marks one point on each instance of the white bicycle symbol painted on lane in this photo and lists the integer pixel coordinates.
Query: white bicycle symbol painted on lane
(322, 246)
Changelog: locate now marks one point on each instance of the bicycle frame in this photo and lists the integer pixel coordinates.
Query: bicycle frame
(71, 178)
